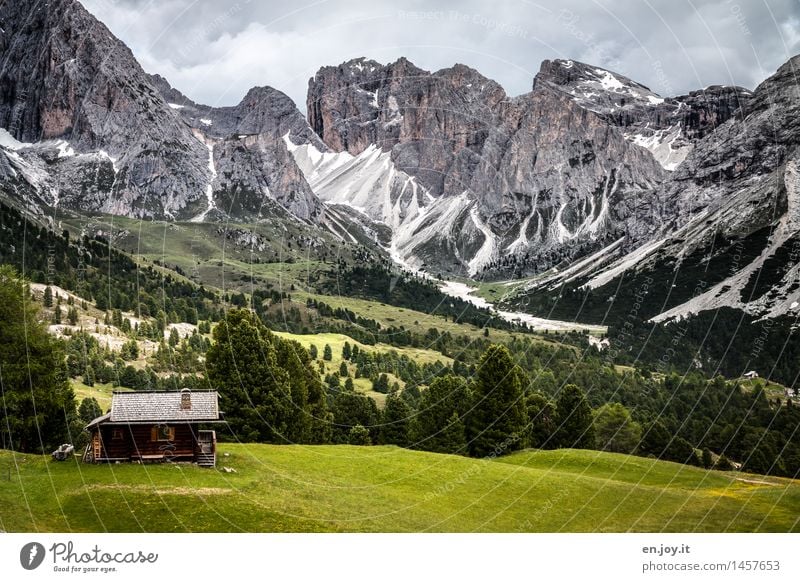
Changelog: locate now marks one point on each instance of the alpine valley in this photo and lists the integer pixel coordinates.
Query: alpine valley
(407, 232)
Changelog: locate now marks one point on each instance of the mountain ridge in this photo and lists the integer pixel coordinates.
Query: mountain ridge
(587, 177)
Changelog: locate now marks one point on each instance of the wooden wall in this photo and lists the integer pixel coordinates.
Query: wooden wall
(137, 440)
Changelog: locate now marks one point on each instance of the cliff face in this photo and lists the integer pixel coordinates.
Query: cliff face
(63, 76)
(252, 166)
(102, 135)
(732, 207)
(537, 176)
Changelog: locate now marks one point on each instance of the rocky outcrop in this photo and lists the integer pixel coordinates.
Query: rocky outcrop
(733, 205)
(530, 176)
(253, 168)
(63, 76)
(666, 126)
(101, 135)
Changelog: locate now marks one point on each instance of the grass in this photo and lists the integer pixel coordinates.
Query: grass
(206, 255)
(378, 489)
(415, 321)
(336, 341)
(100, 392)
(772, 390)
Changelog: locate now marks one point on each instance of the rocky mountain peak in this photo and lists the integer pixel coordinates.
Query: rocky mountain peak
(63, 75)
(130, 143)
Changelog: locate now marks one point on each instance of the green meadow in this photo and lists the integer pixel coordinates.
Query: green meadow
(388, 489)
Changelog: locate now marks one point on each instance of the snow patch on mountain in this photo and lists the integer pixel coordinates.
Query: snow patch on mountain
(668, 146)
(371, 184)
(486, 253)
(9, 142)
(212, 175)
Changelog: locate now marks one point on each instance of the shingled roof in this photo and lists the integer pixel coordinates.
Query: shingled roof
(163, 406)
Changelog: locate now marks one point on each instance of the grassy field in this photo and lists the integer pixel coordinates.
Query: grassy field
(416, 321)
(772, 390)
(100, 392)
(210, 256)
(375, 489)
(364, 385)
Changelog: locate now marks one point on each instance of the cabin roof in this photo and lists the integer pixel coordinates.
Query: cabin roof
(160, 406)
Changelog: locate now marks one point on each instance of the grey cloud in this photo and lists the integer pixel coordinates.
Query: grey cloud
(214, 51)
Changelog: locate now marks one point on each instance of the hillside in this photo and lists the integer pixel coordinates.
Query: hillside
(381, 489)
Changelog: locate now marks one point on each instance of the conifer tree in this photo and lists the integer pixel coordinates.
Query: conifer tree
(574, 427)
(541, 421)
(394, 422)
(498, 421)
(38, 402)
(431, 428)
(255, 392)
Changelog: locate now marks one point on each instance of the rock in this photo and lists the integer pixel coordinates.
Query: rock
(103, 136)
(63, 76)
(537, 176)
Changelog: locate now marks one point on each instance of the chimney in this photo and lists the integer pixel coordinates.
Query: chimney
(186, 399)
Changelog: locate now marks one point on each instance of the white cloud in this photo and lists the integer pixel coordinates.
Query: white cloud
(214, 52)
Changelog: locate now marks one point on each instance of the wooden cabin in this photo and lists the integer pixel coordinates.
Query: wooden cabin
(156, 426)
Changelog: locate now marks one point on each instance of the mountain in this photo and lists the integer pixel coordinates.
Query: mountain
(732, 224)
(102, 138)
(87, 129)
(666, 126)
(536, 177)
(251, 165)
(587, 186)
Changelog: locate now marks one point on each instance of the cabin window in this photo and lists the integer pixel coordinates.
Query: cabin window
(117, 434)
(162, 432)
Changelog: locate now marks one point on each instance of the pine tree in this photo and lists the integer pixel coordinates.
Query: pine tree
(350, 409)
(615, 430)
(343, 371)
(37, 393)
(174, 337)
(72, 316)
(327, 353)
(655, 439)
(48, 297)
(89, 410)
(498, 422)
(447, 395)
(312, 351)
(453, 439)
(89, 376)
(394, 422)
(346, 351)
(381, 384)
(574, 428)
(255, 392)
(541, 421)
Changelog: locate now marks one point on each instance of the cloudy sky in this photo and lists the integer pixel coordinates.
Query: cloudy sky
(215, 51)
